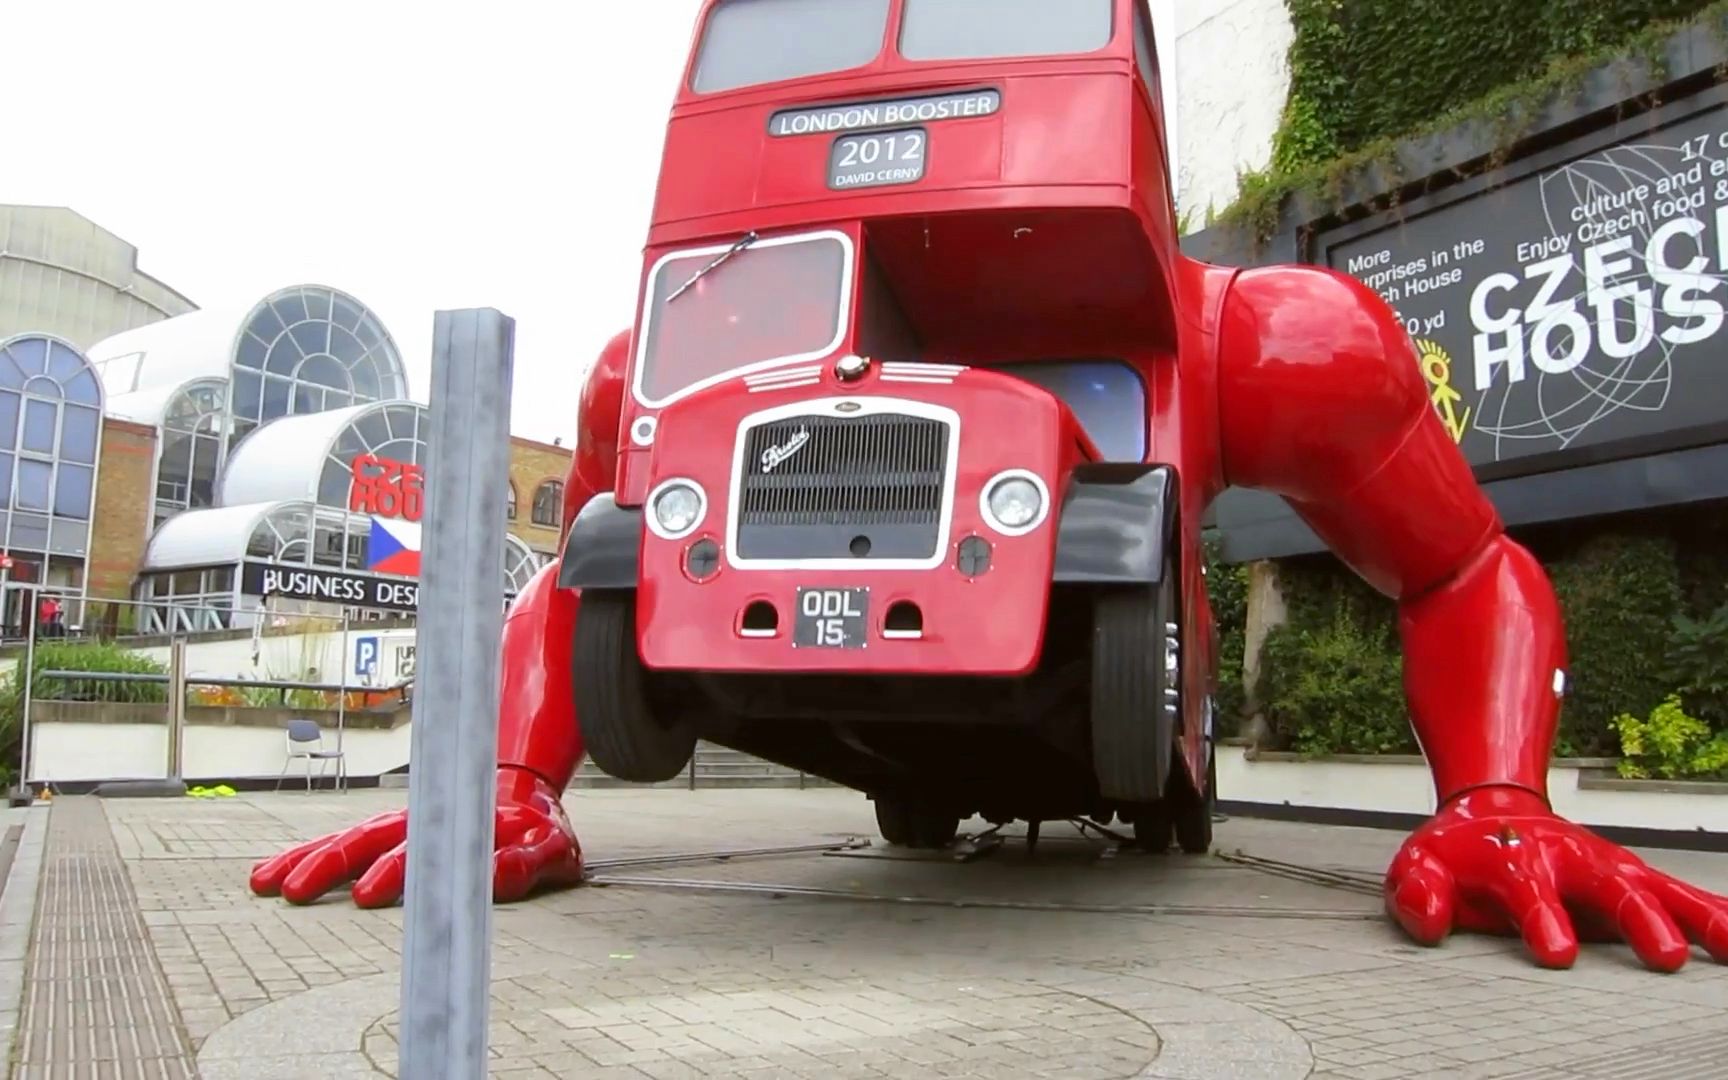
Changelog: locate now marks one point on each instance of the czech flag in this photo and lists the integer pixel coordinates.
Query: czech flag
(394, 547)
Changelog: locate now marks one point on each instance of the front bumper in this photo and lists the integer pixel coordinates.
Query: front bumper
(1113, 526)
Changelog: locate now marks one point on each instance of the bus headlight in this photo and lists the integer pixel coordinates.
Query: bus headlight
(1015, 502)
(675, 509)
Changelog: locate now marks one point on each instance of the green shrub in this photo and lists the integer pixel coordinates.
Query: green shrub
(1619, 595)
(1331, 677)
(75, 656)
(1698, 666)
(1336, 688)
(1671, 745)
(1227, 590)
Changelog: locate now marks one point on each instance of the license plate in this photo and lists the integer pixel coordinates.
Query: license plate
(831, 619)
(878, 159)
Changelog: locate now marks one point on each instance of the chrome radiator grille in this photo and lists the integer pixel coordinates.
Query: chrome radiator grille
(825, 487)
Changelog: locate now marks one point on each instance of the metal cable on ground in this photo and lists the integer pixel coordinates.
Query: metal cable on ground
(1349, 881)
(813, 892)
(724, 854)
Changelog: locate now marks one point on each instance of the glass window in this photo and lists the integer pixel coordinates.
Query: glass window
(72, 491)
(10, 405)
(1145, 54)
(10, 376)
(750, 42)
(291, 307)
(549, 504)
(34, 479)
(84, 389)
(78, 429)
(1106, 396)
(39, 417)
(284, 357)
(247, 392)
(31, 355)
(63, 363)
(769, 302)
(978, 29)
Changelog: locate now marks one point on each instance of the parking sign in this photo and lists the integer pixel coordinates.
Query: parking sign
(365, 655)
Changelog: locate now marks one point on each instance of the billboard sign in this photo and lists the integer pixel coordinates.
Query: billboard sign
(1578, 311)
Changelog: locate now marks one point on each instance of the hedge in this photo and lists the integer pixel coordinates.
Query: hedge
(1646, 609)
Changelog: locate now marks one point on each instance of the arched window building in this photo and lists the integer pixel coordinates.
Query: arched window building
(305, 493)
(50, 441)
(301, 350)
(288, 465)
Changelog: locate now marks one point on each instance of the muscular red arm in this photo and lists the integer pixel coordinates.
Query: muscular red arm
(1321, 401)
(539, 741)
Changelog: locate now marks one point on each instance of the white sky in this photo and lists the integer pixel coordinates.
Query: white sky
(419, 155)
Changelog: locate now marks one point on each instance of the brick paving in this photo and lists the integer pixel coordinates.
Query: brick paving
(648, 983)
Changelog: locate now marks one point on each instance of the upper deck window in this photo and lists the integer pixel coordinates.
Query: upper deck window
(750, 42)
(995, 29)
(772, 302)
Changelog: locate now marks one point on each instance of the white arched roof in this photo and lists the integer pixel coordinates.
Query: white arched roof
(171, 352)
(151, 406)
(276, 334)
(287, 458)
(213, 537)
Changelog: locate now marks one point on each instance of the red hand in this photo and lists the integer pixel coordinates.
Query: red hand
(1497, 860)
(534, 846)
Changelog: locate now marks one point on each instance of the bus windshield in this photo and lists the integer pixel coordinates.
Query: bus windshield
(750, 42)
(717, 312)
(999, 29)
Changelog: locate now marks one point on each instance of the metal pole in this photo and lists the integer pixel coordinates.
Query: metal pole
(453, 749)
(29, 681)
(176, 703)
(342, 707)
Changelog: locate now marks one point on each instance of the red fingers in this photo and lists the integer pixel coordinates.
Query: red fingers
(381, 885)
(1421, 895)
(547, 855)
(1703, 916)
(267, 876)
(1529, 896)
(344, 858)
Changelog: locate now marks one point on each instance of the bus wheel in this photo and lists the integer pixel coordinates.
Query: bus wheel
(1136, 696)
(623, 736)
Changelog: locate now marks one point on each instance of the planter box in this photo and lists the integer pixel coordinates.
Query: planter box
(1397, 791)
(274, 717)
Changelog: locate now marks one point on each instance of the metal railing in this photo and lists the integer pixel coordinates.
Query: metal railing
(314, 662)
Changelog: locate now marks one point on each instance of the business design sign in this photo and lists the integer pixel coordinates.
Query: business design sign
(1580, 306)
(328, 586)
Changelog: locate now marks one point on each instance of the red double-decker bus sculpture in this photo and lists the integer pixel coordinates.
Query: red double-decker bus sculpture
(898, 479)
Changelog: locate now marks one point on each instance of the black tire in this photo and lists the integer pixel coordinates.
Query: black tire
(893, 823)
(1152, 827)
(917, 827)
(1190, 812)
(623, 736)
(1133, 720)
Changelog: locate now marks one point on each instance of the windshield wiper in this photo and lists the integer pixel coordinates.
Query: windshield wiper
(749, 238)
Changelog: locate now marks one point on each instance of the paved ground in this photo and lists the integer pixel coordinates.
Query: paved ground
(1219, 971)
